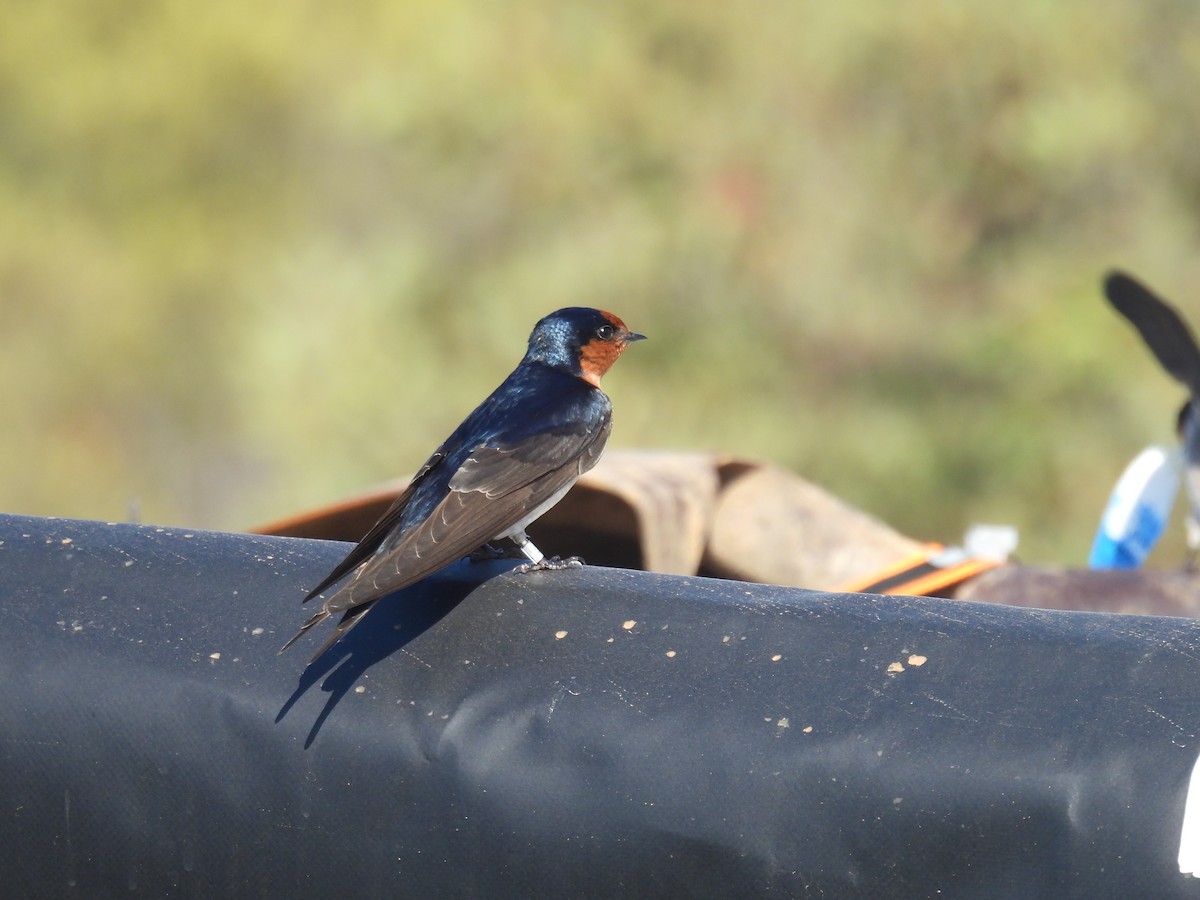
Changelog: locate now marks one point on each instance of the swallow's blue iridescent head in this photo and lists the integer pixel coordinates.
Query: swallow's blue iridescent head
(580, 340)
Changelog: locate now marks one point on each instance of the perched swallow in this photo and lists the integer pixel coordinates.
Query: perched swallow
(1173, 344)
(510, 460)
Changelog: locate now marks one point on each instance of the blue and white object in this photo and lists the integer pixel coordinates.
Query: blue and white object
(1138, 510)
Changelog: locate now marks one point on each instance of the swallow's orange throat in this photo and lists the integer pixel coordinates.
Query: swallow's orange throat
(597, 356)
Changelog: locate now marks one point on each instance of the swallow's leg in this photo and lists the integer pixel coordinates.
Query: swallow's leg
(528, 549)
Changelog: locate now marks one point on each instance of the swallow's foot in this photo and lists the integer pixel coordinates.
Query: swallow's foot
(550, 564)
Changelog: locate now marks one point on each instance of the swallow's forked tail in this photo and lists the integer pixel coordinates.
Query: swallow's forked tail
(349, 619)
(304, 629)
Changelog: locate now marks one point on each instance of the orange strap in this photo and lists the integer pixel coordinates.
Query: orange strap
(932, 568)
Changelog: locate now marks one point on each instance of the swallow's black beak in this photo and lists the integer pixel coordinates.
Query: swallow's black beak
(631, 336)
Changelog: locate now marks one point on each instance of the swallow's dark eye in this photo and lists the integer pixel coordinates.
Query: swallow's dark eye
(605, 332)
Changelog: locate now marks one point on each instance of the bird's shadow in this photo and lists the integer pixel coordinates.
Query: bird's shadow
(391, 623)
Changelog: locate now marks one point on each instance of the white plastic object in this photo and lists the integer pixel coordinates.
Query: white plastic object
(1138, 510)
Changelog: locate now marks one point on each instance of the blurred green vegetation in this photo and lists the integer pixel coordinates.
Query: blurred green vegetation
(254, 257)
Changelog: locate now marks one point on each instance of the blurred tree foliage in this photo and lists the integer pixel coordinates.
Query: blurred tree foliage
(255, 256)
